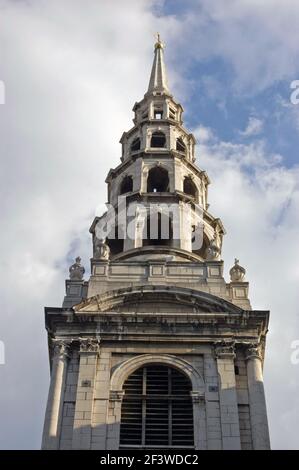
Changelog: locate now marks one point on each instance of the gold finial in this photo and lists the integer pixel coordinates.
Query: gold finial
(159, 43)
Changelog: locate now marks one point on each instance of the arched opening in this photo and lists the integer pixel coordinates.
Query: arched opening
(158, 140)
(135, 145)
(180, 146)
(190, 187)
(126, 185)
(157, 409)
(115, 241)
(158, 230)
(157, 180)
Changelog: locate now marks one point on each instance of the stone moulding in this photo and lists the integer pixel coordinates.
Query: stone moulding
(124, 369)
(197, 300)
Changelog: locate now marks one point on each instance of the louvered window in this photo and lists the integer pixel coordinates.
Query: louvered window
(157, 410)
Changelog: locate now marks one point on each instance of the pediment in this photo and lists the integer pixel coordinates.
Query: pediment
(156, 299)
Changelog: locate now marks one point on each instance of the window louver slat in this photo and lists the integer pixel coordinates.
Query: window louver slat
(157, 409)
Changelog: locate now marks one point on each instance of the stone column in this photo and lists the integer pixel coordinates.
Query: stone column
(257, 402)
(230, 430)
(51, 432)
(199, 420)
(114, 418)
(89, 349)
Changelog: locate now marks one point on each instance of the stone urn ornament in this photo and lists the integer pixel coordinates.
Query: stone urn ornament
(237, 272)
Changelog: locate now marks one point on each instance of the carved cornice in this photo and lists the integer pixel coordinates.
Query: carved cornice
(225, 349)
(254, 351)
(89, 345)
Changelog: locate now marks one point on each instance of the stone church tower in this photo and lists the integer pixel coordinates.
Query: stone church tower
(156, 349)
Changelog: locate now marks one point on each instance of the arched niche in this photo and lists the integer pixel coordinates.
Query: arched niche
(157, 180)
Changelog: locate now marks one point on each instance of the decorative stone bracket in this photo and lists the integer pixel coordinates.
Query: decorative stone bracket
(89, 345)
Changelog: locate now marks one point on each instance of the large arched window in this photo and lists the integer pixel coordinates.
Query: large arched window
(158, 140)
(126, 185)
(157, 180)
(157, 409)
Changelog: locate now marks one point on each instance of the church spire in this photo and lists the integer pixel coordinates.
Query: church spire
(158, 80)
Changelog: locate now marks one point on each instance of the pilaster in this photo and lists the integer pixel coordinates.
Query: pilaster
(89, 348)
(114, 416)
(199, 420)
(225, 355)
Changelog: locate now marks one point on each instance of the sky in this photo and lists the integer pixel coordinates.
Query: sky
(71, 71)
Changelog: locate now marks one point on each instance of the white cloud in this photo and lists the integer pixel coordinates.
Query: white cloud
(203, 134)
(72, 73)
(254, 127)
(258, 39)
(70, 82)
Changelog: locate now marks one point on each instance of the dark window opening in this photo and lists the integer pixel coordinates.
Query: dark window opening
(190, 187)
(157, 180)
(157, 409)
(158, 114)
(158, 230)
(237, 370)
(180, 146)
(126, 185)
(115, 241)
(158, 140)
(172, 113)
(135, 145)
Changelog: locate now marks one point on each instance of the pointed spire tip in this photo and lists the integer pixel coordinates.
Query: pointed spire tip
(159, 44)
(158, 78)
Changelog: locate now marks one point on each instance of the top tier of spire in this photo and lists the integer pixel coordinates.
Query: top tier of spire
(158, 80)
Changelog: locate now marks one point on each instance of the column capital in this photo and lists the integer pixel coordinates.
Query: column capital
(225, 349)
(253, 351)
(89, 345)
(61, 348)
